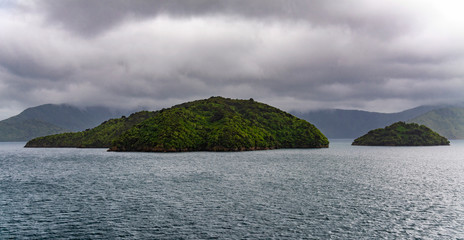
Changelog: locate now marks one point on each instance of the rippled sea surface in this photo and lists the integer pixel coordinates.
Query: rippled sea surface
(343, 192)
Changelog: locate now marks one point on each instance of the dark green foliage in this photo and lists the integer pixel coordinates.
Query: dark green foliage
(402, 134)
(214, 124)
(220, 124)
(98, 137)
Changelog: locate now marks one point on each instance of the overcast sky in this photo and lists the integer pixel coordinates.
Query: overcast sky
(380, 56)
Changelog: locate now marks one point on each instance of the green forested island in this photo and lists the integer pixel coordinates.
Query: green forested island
(401, 134)
(214, 124)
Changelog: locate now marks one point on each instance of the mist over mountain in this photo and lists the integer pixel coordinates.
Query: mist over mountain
(382, 56)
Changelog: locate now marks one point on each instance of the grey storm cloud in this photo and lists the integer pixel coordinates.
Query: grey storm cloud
(297, 55)
(93, 17)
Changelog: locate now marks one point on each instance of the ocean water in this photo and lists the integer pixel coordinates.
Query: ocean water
(343, 192)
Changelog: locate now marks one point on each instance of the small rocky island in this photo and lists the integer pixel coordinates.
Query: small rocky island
(214, 124)
(401, 134)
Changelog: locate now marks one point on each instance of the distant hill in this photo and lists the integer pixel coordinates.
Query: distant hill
(336, 123)
(448, 122)
(214, 124)
(17, 131)
(401, 134)
(51, 119)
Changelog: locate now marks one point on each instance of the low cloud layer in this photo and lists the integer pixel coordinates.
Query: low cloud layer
(296, 55)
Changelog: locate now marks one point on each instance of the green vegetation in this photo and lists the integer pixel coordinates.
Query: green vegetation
(448, 122)
(214, 124)
(402, 134)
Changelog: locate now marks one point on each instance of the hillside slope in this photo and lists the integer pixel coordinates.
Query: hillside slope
(51, 119)
(448, 122)
(18, 131)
